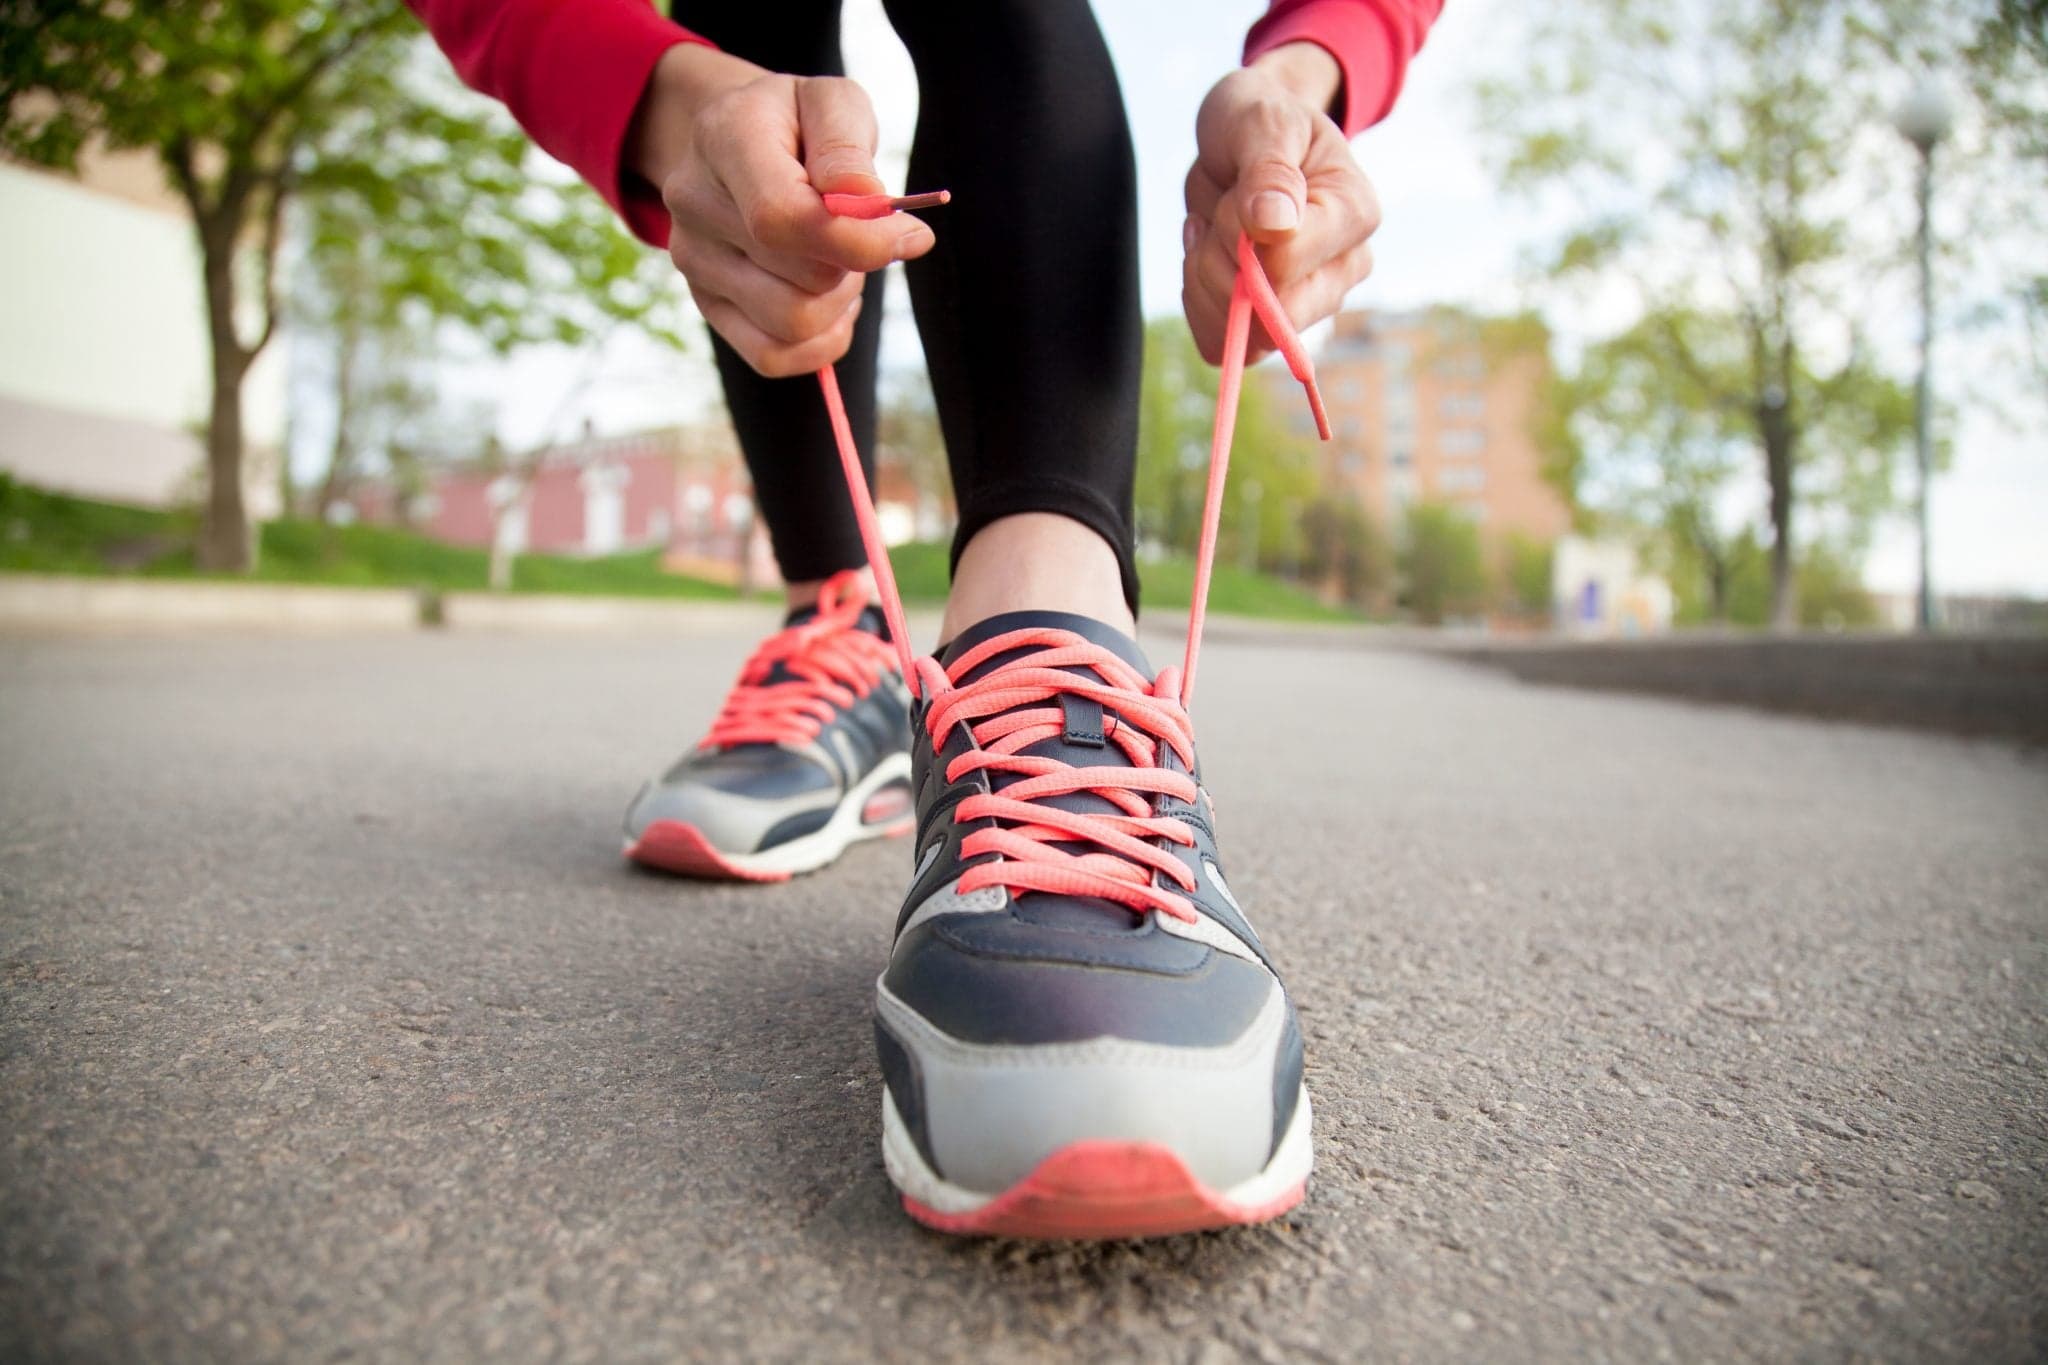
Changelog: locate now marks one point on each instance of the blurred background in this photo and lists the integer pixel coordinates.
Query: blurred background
(1685, 315)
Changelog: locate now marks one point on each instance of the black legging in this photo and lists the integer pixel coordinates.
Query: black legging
(1028, 305)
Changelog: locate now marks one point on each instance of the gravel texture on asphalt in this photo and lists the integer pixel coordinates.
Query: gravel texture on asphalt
(334, 1028)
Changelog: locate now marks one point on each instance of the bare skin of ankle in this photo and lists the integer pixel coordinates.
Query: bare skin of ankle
(805, 594)
(1036, 561)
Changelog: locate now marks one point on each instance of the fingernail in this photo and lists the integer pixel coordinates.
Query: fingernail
(913, 240)
(1190, 235)
(1273, 211)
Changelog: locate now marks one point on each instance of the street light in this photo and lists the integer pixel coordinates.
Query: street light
(1924, 119)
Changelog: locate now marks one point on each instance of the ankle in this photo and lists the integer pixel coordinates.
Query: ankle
(797, 596)
(1036, 561)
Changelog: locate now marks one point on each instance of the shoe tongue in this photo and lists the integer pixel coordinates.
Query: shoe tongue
(871, 619)
(1086, 913)
(1087, 627)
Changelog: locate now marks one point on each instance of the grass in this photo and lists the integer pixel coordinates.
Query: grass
(1164, 585)
(51, 533)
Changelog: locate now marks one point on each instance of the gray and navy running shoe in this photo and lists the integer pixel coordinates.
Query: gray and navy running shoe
(1080, 1034)
(807, 757)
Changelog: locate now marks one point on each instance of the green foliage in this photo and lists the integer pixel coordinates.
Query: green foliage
(1272, 468)
(428, 204)
(1527, 573)
(1831, 594)
(1443, 570)
(1165, 585)
(1725, 158)
(50, 533)
(1346, 552)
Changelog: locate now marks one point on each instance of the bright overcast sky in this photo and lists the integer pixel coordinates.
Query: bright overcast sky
(1447, 238)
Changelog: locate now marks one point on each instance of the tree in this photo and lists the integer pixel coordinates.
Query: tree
(252, 106)
(234, 101)
(1441, 563)
(1721, 159)
(907, 436)
(1345, 553)
(1272, 471)
(459, 233)
(1527, 575)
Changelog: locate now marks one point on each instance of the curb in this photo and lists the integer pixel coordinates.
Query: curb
(59, 603)
(1982, 685)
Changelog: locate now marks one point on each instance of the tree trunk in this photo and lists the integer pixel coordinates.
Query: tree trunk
(341, 456)
(1776, 422)
(225, 545)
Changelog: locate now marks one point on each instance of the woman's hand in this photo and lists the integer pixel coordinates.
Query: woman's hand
(742, 156)
(1270, 162)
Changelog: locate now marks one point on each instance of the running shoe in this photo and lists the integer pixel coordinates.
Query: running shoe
(1080, 1034)
(807, 757)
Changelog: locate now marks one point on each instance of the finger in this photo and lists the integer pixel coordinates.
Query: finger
(1201, 192)
(813, 277)
(769, 356)
(1268, 144)
(1321, 294)
(838, 128)
(778, 308)
(774, 204)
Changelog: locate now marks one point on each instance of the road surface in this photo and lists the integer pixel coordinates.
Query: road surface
(333, 1028)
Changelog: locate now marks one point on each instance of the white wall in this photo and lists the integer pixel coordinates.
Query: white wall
(103, 332)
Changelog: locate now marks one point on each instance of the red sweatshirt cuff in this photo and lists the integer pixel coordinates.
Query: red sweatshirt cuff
(572, 72)
(1357, 35)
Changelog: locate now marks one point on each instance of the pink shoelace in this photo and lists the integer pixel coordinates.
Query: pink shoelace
(1030, 838)
(802, 675)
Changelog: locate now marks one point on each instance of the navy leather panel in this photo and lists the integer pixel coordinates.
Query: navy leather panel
(1286, 1079)
(906, 1088)
(983, 998)
(1112, 938)
(794, 827)
(765, 772)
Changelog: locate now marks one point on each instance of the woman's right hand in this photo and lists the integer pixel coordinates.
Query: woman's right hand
(742, 156)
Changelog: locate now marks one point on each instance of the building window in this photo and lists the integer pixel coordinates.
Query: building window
(1462, 441)
(1403, 457)
(1461, 479)
(1457, 407)
(1351, 429)
(1352, 463)
(1348, 390)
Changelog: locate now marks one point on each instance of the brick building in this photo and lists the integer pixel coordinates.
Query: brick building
(1437, 405)
(682, 490)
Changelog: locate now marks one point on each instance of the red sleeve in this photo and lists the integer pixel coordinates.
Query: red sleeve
(1372, 41)
(571, 72)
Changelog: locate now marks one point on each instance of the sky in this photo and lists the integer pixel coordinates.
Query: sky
(1447, 237)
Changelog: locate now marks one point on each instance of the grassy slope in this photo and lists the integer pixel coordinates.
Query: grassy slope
(49, 533)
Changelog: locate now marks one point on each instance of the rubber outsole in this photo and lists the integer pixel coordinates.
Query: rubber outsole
(672, 846)
(877, 808)
(1097, 1190)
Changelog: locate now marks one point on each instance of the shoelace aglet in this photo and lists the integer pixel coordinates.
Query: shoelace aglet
(1280, 328)
(882, 205)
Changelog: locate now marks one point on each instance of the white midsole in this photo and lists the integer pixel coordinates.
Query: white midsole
(909, 1172)
(809, 852)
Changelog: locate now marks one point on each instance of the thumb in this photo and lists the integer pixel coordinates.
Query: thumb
(838, 128)
(1271, 190)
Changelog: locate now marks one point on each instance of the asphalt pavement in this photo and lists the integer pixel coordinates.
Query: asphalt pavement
(333, 1028)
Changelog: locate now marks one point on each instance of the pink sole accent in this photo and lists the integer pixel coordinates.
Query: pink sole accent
(1093, 1190)
(891, 804)
(673, 846)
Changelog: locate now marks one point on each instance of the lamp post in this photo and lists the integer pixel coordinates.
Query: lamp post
(1923, 119)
